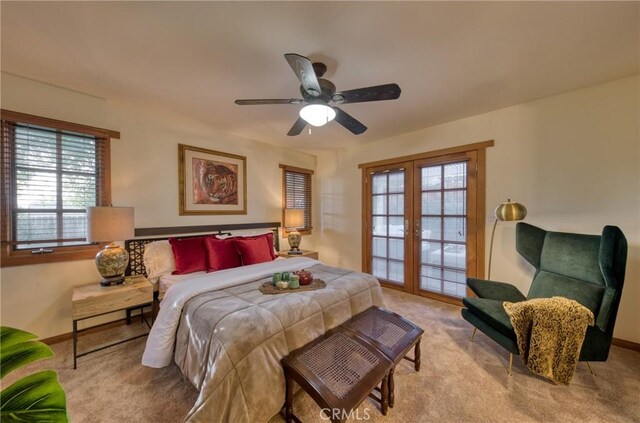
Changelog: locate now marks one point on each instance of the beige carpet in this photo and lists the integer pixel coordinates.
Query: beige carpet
(459, 381)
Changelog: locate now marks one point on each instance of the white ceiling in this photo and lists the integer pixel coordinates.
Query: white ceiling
(451, 59)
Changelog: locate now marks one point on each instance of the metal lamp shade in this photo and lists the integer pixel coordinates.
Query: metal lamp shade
(294, 219)
(510, 212)
(108, 224)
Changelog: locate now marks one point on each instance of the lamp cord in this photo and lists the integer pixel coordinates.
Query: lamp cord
(493, 232)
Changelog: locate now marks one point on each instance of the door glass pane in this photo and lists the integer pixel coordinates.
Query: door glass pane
(396, 226)
(455, 175)
(430, 279)
(396, 271)
(432, 202)
(396, 248)
(431, 253)
(454, 202)
(379, 204)
(454, 229)
(455, 256)
(380, 225)
(443, 216)
(379, 183)
(396, 204)
(431, 177)
(396, 182)
(431, 228)
(388, 226)
(379, 246)
(380, 268)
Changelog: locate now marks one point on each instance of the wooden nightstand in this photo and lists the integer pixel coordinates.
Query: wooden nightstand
(305, 253)
(94, 300)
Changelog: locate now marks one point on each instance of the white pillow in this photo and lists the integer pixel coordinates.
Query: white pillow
(158, 260)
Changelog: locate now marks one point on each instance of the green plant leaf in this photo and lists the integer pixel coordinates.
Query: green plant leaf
(17, 349)
(11, 336)
(35, 398)
(18, 355)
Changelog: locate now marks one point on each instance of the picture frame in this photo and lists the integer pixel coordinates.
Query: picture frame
(211, 182)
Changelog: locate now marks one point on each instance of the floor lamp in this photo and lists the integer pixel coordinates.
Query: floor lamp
(506, 212)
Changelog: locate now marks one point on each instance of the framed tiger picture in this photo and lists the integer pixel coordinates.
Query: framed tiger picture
(211, 182)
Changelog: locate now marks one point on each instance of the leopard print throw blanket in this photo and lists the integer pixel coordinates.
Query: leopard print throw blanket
(550, 332)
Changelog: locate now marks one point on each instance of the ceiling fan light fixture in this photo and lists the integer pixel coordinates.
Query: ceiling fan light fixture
(317, 114)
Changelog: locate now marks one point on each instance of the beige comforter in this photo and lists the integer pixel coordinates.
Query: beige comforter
(230, 341)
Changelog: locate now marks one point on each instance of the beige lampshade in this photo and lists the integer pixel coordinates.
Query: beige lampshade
(106, 224)
(510, 212)
(293, 218)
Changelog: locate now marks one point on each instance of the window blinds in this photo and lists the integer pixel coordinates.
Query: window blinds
(298, 194)
(50, 176)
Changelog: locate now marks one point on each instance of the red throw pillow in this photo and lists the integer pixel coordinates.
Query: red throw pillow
(269, 238)
(190, 255)
(254, 250)
(221, 254)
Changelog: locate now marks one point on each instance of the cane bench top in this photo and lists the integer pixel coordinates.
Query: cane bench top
(388, 331)
(339, 367)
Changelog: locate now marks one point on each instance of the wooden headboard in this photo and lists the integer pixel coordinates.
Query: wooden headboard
(144, 236)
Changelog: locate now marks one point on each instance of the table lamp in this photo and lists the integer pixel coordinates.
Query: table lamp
(294, 219)
(110, 224)
(506, 212)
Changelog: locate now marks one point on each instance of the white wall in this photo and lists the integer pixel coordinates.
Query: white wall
(144, 168)
(573, 160)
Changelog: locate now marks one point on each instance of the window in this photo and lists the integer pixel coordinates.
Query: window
(296, 193)
(51, 171)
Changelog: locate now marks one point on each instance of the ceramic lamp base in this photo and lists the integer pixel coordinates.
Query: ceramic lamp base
(111, 264)
(294, 238)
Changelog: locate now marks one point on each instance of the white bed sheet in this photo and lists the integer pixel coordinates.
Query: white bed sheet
(167, 281)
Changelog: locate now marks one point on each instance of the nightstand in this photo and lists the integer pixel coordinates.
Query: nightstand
(305, 253)
(94, 300)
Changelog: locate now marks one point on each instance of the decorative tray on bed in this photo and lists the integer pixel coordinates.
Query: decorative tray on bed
(269, 288)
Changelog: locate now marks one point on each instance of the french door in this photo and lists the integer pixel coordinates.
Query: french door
(421, 224)
(389, 211)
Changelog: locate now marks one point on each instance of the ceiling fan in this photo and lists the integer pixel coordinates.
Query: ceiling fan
(321, 97)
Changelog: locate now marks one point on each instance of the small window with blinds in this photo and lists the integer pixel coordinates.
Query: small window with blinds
(51, 172)
(296, 193)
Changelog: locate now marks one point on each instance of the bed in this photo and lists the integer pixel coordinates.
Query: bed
(228, 338)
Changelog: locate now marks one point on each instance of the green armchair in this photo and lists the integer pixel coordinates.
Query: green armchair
(586, 268)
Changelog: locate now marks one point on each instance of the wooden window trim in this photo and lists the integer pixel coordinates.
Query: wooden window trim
(436, 153)
(287, 168)
(58, 124)
(9, 256)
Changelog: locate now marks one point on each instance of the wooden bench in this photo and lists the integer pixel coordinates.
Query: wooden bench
(390, 333)
(339, 370)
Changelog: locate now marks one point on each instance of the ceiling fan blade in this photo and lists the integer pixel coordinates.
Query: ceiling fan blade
(303, 68)
(297, 127)
(256, 102)
(359, 95)
(349, 122)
